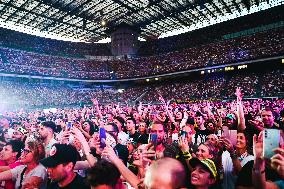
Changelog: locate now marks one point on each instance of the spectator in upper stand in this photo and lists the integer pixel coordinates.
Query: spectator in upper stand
(46, 131)
(60, 167)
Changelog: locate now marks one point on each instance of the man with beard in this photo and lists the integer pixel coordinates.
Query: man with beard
(46, 131)
(159, 129)
(60, 168)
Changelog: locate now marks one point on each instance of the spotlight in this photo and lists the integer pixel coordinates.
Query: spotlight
(103, 22)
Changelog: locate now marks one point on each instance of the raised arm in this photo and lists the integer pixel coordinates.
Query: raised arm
(86, 148)
(130, 177)
(96, 104)
(6, 175)
(240, 110)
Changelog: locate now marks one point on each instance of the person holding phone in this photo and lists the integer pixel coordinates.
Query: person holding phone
(259, 173)
(234, 158)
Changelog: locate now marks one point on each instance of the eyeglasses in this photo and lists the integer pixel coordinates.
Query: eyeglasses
(26, 151)
(111, 132)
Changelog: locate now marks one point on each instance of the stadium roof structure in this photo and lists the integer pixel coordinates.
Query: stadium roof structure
(81, 20)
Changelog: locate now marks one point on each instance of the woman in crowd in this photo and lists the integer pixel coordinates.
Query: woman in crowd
(31, 174)
(88, 129)
(233, 159)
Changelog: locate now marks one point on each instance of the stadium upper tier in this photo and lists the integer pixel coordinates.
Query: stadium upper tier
(251, 47)
(215, 86)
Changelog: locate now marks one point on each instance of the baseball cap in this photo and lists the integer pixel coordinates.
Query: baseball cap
(230, 116)
(22, 130)
(207, 163)
(61, 153)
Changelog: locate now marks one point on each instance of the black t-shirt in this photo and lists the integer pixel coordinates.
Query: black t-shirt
(78, 182)
(245, 175)
(200, 135)
(135, 136)
(143, 139)
(122, 152)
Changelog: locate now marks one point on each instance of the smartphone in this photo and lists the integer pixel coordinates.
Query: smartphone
(271, 140)
(102, 137)
(183, 134)
(233, 136)
(69, 125)
(175, 137)
(153, 140)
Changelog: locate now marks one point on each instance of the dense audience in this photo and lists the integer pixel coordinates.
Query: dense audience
(215, 87)
(256, 46)
(13, 39)
(212, 132)
(188, 145)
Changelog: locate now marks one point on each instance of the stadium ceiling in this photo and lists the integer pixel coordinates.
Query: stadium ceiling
(81, 20)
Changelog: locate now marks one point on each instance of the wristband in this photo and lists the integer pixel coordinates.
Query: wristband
(186, 155)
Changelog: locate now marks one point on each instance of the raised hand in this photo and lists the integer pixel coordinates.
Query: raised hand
(277, 161)
(238, 93)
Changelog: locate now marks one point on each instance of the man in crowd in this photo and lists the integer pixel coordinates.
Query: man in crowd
(121, 150)
(130, 126)
(166, 173)
(46, 131)
(8, 160)
(201, 131)
(60, 167)
(104, 175)
(268, 119)
(159, 129)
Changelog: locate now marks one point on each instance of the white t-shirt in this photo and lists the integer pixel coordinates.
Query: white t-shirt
(230, 179)
(38, 171)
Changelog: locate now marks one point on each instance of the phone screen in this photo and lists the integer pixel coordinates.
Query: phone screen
(69, 125)
(271, 140)
(153, 140)
(102, 137)
(233, 136)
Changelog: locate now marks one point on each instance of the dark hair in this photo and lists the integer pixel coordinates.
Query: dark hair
(249, 141)
(114, 127)
(103, 173)
(132, 119)
(92, 127)
(50, 124)
(17, 146)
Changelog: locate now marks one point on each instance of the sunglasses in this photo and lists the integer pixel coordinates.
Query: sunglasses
(26, 151)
